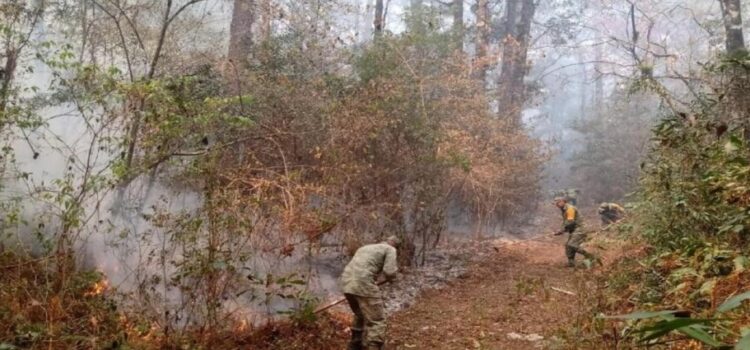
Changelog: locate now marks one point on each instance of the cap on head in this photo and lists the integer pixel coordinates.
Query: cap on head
(394, 241)
(560, 199)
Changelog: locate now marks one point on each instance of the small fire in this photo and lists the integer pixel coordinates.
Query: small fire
(152, 332)
(241, 327)
(98, 288)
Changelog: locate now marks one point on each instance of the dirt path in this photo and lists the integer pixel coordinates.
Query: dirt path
(504, 302)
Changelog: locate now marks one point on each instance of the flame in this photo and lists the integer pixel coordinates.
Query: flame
(152, 332)
(98, 288)
(241, 327)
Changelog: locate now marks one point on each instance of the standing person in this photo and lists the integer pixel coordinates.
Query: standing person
(611, 213)
(571, 195)
(361, 290)
(571, 222)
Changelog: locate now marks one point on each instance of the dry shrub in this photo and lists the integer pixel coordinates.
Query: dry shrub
(278, 160)
(37, 312)
(329, 332)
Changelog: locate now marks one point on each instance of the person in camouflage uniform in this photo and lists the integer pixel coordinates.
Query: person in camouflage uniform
(611, 213)
(571, 195)
(572, 222)
(358, 282)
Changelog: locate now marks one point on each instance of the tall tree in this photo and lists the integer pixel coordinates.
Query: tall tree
(511, 88)
(266, 16)
(482, 39)
(457, 8)
(17, 20)
(737, 103)
(599, 79)
(241, 30)
(732, 13)
(379, 21)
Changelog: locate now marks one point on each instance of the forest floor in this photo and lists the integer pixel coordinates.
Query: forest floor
(521, 296)
(512, 293)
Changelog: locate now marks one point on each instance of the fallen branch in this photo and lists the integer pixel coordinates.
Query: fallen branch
(328, 306)
(339, 301)
(563, 291)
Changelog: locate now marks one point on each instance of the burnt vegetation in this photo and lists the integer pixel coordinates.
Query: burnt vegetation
(176, 172)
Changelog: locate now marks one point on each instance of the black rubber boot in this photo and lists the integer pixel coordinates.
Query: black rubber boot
(356, 342)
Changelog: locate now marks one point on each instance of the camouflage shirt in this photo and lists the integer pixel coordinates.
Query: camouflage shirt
(611, 208)
(369, 261)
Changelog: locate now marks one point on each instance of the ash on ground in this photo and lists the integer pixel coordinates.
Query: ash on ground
(441, 266)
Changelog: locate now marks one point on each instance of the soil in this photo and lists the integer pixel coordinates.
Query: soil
(509, 293)
(519, 295)
(504, 302)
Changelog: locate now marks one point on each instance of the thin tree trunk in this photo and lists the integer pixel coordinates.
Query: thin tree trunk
(457, 8)
(583, 88)
(241, 30)
(13, 47)
(266, 18)
(736, 102)
(732, 13)
(511, 88)
(140, 105)
(379, 21)
(599, 85)
(6, 76)
(483, 39)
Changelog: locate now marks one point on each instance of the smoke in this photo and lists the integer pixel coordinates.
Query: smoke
(68, 154)
(584, 76)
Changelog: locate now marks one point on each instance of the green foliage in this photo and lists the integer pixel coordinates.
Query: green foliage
(697, 329)
(303, 314)
(700, 179)
(38, 308)
(275, 154)
(694, 211)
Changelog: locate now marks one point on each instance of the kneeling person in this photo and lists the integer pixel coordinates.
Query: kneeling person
(611, 213)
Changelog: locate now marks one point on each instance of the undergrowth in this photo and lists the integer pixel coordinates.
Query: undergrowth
(684, 285)
(39, 310)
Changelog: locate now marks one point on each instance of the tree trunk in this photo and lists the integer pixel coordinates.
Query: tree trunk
(599, 86)
(6, 77)
(457, 8)
(241, 31)
(379, 21)
(736, 103)
(732, 13)
(511, 88)
(483, 40)
(266, 12)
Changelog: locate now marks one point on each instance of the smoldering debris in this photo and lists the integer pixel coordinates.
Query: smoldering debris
(441, 267)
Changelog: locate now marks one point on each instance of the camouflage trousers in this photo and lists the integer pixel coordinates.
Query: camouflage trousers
(573, 246)
(369, 318)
